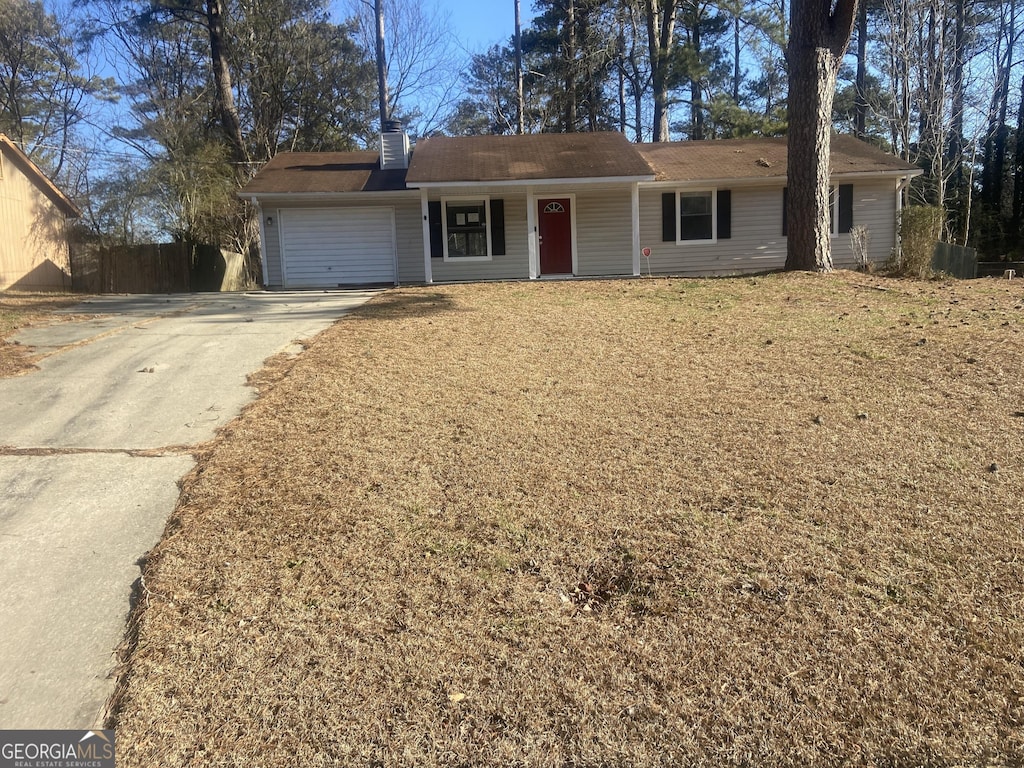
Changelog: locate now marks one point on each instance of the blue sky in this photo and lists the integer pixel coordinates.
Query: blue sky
(480, 24)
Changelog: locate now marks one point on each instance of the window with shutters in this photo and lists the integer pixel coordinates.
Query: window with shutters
(696, 216)
(467, 235)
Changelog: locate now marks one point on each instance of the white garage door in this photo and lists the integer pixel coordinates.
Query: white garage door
(328, 247)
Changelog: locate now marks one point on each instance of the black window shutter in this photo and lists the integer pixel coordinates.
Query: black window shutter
(436, 232)
(845, 207)
(498, 227)
(785, 209)
(668, 217)
(724, 214)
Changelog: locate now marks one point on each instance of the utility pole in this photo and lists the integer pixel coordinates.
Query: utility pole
(382, 74)
(520, 107)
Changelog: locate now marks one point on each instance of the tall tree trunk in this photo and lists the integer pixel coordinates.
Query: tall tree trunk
(818, 39)
(955, 142)
(661, 21)
(932, 113)
(736, 58)
(621, 49)
(382, 65)
(222, 81)
(520, 106)
(696, 95)
(994, 165)
(1018, 173)
(591, 84)
(860, 114)
(570, 67)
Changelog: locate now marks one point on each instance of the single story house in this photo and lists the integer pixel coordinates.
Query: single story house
(547, 205)
(35, 249)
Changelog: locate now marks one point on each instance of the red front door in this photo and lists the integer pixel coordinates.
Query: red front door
(555, 229)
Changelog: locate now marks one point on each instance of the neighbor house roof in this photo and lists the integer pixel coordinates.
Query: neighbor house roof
(532, 157)
(325, 173)
(31, 170)
(723, 159)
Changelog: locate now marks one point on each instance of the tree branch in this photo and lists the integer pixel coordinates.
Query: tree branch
(841, 23)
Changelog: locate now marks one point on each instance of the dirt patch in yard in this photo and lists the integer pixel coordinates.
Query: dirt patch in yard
(22, 310)
(768, 521)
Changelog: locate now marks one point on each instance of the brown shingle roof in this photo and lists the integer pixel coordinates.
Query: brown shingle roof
(325, 172)
(483, 159)
(523, 158)
(758, 158)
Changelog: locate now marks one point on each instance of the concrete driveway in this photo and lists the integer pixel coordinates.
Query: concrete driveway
(92, 446)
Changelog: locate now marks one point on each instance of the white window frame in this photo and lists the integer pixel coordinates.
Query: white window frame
(833, 209)
(714, 215)
(486, 200)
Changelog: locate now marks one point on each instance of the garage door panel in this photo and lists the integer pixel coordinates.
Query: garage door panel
(327, 247)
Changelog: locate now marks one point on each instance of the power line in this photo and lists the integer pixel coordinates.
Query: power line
(84, 151)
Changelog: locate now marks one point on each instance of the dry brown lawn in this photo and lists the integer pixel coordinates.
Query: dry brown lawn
(21, 310)
(752, 521)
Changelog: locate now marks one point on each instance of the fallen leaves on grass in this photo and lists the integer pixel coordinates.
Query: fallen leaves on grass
(602, 523)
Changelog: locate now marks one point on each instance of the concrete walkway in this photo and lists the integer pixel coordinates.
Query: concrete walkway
(92, 446)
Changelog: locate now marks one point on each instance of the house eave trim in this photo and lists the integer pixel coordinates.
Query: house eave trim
(534, 182)
(411, 192)
(726, 182)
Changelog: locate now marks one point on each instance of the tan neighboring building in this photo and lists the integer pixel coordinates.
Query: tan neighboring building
(35, 250)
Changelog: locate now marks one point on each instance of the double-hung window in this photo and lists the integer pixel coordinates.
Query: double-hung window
(696, 216)
(466, 231)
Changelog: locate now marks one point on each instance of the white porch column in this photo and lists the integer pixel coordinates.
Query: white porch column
(635, 195)
(531, 235)
(428, 272)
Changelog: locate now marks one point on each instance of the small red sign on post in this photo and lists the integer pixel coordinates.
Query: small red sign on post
(646, 252)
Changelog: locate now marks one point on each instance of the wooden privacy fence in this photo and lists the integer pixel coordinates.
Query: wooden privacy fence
(157, 268)
(955, 260)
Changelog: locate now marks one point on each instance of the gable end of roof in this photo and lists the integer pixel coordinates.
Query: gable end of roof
(41, 180)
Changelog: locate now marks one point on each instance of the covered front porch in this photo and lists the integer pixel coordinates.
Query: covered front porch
(517, 231)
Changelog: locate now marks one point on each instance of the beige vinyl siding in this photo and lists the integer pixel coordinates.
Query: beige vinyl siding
(272, 247)
(604, 232)
(514, 265)
(757, 243)
(874, 207)
(34, 250)
(409, 240)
